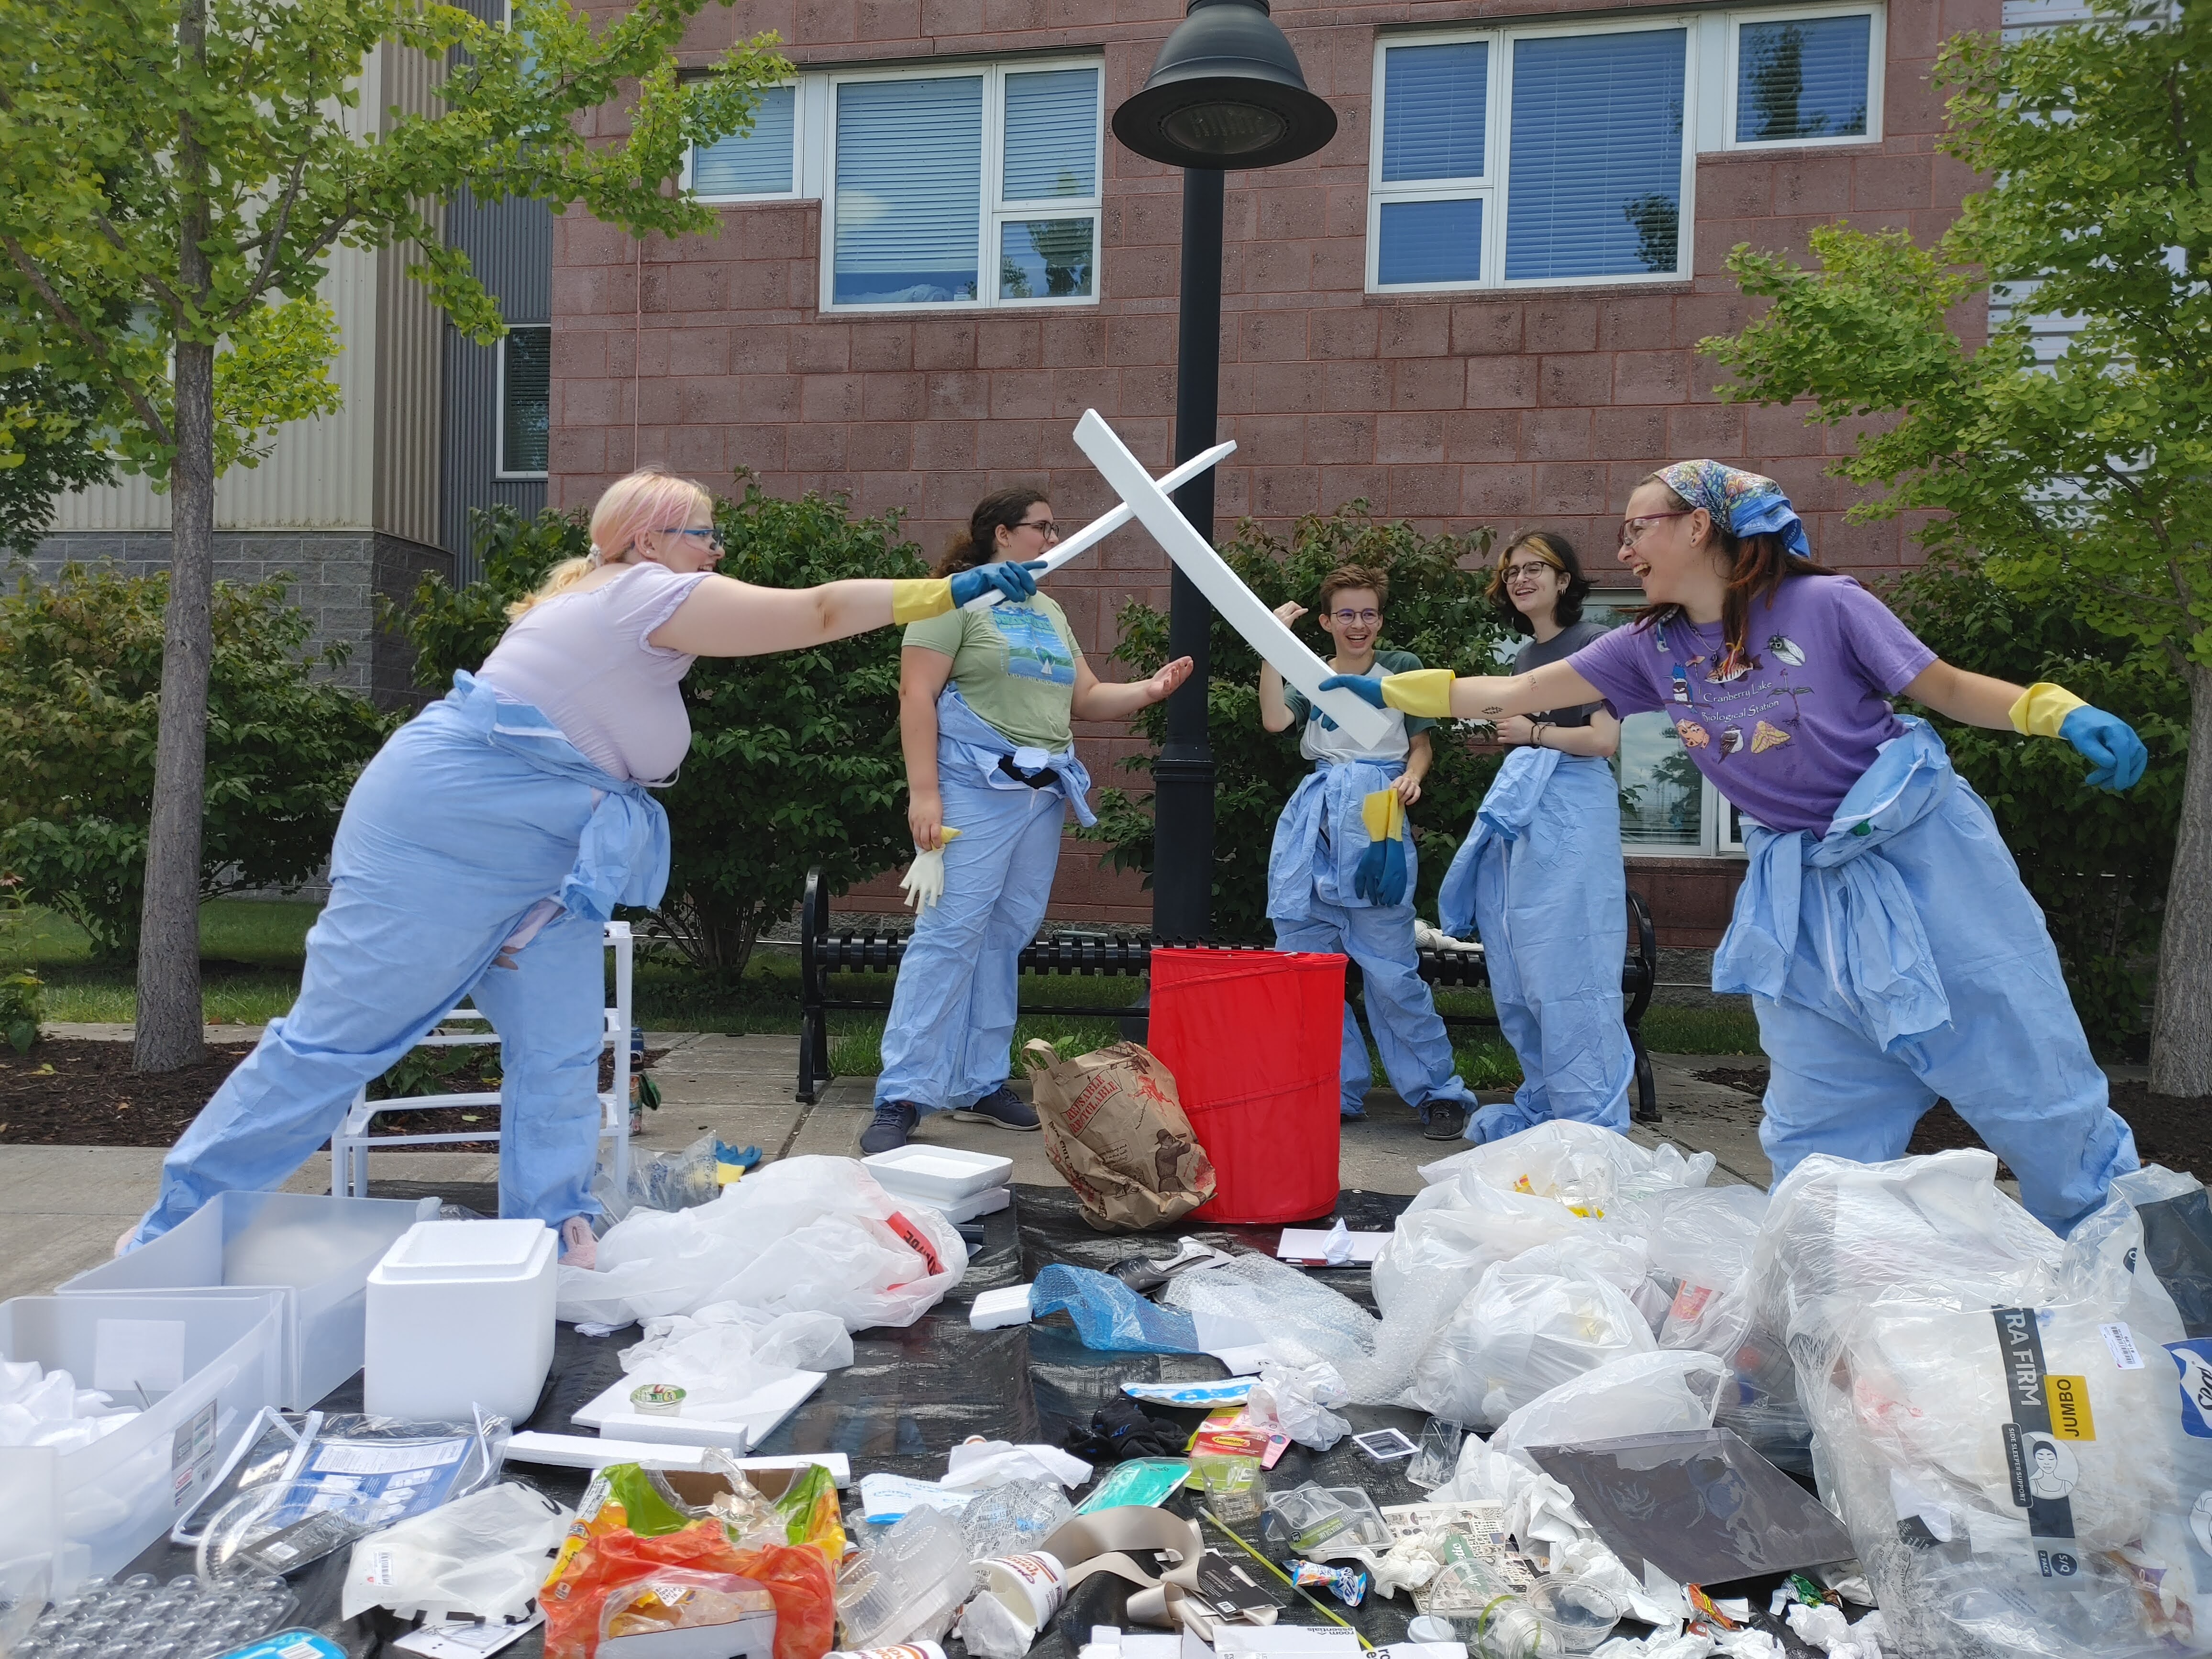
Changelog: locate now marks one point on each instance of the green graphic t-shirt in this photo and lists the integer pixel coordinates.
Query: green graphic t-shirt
(1015, 664)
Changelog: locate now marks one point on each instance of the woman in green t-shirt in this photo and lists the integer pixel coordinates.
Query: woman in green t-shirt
(985, 700)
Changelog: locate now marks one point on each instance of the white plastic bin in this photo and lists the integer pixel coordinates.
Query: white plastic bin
(315, 1252)
(460, 1315)
(109, 1500)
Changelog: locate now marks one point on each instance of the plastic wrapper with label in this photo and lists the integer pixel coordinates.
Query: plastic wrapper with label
(479, 1556)
(2003, 1419)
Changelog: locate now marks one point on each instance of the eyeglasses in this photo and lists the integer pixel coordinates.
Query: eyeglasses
(1631, 529)
(1354, 618)
(1514, 572)
(713, 537)
(1047, 528)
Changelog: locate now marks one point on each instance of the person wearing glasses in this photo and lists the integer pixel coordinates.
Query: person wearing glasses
(985, 700)
(1540, 875)
(1341, 872)
(482, 848)
(1882, 930)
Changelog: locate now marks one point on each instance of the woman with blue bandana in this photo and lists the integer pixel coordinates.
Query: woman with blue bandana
(482, 850)
(1540, 876)
(986, 699)
(1882, 931)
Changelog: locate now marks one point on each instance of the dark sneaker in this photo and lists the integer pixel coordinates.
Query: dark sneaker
(1443, 1119)
(894, 1122)
(1351, 1114)
(1002, 1107)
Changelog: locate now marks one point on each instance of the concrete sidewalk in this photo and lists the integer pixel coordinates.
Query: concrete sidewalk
(62, 1207)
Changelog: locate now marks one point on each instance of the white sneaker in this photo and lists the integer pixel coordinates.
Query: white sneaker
(579, 1247)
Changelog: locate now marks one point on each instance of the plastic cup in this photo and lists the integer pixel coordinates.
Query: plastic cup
(1437, 1456)
(1575, 1616)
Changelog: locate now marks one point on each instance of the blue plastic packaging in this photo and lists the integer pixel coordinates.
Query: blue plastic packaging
(1108, 1315)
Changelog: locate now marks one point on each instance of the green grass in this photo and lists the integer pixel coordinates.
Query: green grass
(253, 951)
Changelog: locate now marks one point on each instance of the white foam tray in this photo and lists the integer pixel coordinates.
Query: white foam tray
(738, 1424)
(939, 1175)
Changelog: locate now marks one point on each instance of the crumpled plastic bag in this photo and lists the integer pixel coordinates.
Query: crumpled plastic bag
(802, 1235)
(1623, 1262)
(976, 1465)
(1521, 1332)
(1295, 1401)
(47, 1408)
(479, 1556)
(726, 1350)
(1825, 1628)
(1645, 1394)
(1586, 1168)
(1658, 1602)
(1540, 1510)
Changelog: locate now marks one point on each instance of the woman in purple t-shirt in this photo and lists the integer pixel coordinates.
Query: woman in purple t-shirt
(1881, 930)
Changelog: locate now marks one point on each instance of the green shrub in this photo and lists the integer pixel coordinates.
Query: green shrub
(23, 1006)
(2096, 862)
(794, 759)
(80, 694)
(1436, 610)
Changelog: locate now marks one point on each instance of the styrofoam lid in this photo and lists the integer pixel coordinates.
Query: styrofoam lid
(435, 1250)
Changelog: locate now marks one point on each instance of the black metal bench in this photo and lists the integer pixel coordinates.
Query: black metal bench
(822, 953)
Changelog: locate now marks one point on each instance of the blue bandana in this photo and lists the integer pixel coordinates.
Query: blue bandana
(1742, 503)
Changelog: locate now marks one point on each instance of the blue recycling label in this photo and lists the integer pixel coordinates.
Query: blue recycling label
(2194, 1359)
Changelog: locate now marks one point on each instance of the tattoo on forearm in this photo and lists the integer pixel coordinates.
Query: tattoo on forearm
(1495, 709)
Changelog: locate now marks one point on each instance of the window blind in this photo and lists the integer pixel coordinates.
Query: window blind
(910, 190)
(1430, 242)
(1806, 78)
(755, 163)
(526, 384)
(1052, 135)
(1435, 104)
(1594, 181)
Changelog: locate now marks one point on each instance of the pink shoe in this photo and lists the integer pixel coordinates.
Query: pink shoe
(579, 1247)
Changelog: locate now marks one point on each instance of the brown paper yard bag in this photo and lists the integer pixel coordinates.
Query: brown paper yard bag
(1116, 1132)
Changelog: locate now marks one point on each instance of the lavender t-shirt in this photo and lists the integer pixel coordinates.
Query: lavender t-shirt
(1786, 729)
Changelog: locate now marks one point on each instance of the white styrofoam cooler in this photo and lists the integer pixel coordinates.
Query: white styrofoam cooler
(460, 1316)
(208, 1366)
(315, 1253)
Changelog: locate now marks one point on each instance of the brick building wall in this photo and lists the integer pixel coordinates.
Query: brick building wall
(1513, 408)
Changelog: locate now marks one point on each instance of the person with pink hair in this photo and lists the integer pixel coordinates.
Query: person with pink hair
(482, 851)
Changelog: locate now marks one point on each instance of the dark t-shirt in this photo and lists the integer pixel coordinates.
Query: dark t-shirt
(1561, 646)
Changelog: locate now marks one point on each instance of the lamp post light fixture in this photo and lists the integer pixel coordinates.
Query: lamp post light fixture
(1224, 92)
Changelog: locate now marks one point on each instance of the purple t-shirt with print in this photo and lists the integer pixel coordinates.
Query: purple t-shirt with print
(1785, 730)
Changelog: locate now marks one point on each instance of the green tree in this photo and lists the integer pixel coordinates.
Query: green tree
(48, 447)
(172, 176)
(80, 699)
(2085, 482)
(794, 759)
(1436, 610)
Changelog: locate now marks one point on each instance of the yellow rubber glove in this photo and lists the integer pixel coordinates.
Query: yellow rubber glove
(1384, 812)
(1423, 691)
(912, 600)
(2041, 709)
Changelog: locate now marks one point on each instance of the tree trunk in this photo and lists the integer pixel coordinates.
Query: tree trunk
(2181, 1022)
(169, 1019)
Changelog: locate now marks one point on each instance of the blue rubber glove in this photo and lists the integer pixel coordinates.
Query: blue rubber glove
(1313, 713)
(1016, 581)
(1367, 686)
(1380, 877)
(2116, 754)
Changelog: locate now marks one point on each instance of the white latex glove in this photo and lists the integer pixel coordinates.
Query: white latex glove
(1432, 939)
(924, 880)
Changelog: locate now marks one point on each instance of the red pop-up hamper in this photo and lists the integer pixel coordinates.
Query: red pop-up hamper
(1253, 1038)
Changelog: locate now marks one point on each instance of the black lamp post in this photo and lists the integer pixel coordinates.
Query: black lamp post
(1226, 92)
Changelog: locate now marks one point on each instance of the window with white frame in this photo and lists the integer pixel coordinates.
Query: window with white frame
(1537, 154)
(1804, 77)
(950, 186)
(526, 374)
(762, 164)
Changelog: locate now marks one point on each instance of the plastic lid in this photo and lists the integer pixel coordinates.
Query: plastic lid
(438, 1251)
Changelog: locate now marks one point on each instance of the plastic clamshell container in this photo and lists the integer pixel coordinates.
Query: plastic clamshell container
(107, 1501)
(460, 1316)
(316, 1253)
(939, 1174)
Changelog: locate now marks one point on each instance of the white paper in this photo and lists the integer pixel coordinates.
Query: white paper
(465, 1641)
(2122, 1341)
(1106, 523)
(886, 1498)
(1244, 1361)
(1239, 606)
(388, 1460)
(1311, 1244)
(131, 1354)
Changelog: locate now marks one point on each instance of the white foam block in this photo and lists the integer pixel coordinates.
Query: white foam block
(1225, 591)
(994, 1308)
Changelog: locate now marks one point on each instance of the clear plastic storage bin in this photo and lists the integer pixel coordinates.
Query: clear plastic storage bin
(203, 1366)
(316, 1253)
